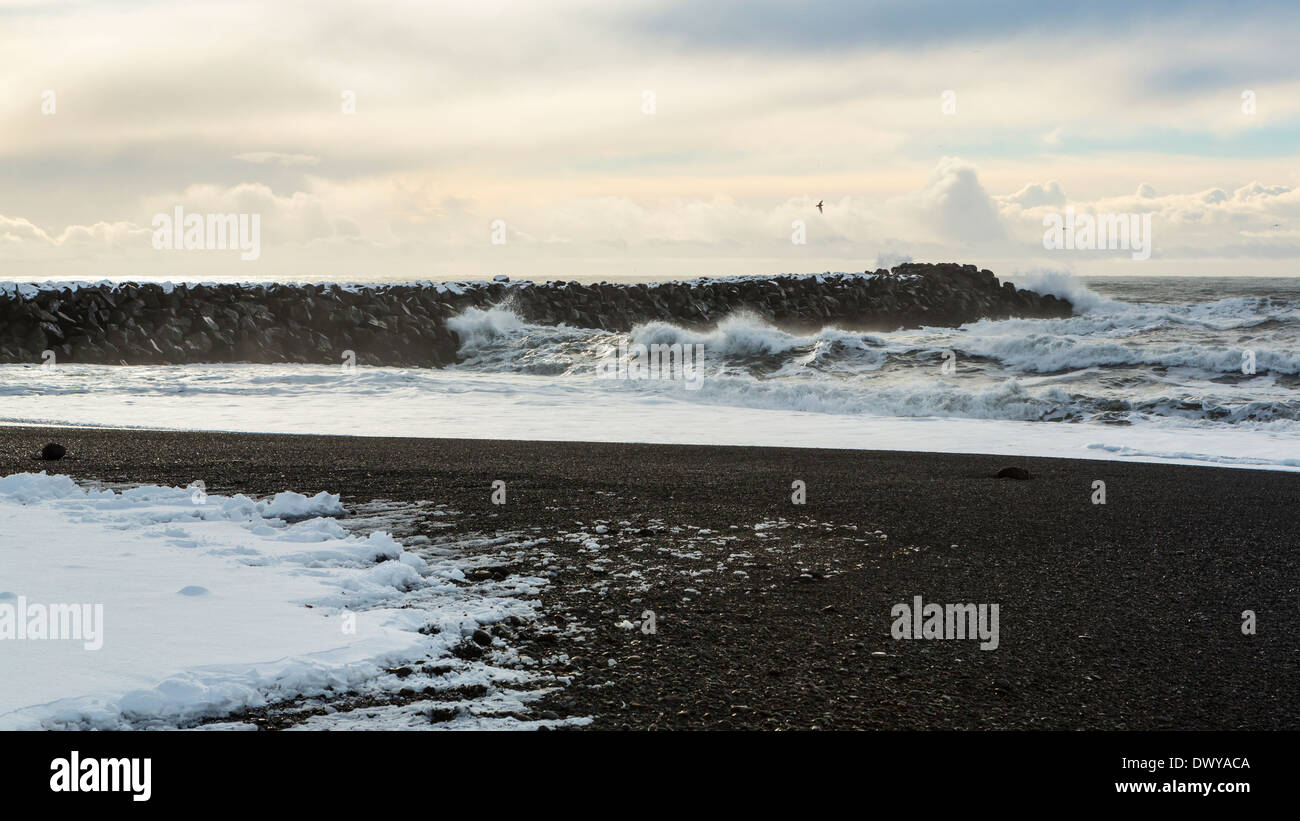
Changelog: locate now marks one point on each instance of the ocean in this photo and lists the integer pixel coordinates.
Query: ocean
(1190, 370)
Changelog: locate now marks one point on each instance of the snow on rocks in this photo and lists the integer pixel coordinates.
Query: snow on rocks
(214, 607)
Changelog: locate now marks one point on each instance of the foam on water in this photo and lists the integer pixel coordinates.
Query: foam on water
(1140, 363)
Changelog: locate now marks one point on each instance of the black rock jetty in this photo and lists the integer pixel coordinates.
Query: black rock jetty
(405, 325)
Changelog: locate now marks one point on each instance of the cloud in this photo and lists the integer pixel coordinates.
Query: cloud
(298, 218)
(1258, 191)
(392, 227)
(1035, 195)
(100, 236)
(956, 206)
(264, 157)
(17, 230)
(399, 225)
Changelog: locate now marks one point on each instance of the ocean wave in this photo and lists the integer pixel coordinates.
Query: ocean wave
(476, 326)
(1127, 363)
(1148, 454)
(1052, 353)
(498, 338)
(737, 335)
(1009, 400)
(1081, 396)
(1065, 285)
(1225, 313)
(744, 334)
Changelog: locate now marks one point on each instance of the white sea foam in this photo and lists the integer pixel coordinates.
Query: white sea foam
(1150, 365)
(740, 334)
(944, 415)
(477, 326)
(1061, 284)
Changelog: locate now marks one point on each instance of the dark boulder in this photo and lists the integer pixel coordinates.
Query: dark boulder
(53, 451)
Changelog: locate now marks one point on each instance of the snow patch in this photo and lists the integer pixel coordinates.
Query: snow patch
(213, 607)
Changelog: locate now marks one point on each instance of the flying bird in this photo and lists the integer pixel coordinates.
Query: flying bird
(819, 206)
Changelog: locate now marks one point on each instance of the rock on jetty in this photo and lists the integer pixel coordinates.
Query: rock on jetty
(137, 324)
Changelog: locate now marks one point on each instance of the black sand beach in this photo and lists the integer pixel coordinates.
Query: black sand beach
(1118, 616)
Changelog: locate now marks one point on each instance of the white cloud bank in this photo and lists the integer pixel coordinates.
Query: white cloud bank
(534, 115)
(385, 228)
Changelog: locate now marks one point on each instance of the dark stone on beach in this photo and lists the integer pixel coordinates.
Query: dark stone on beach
(53, 451)
(1013, 473)
(467, 651)
(481, 638)
(441, 714)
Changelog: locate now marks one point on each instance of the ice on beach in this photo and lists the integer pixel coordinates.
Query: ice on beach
(210, 607)
(290, 505)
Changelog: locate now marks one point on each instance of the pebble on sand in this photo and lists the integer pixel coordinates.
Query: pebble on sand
(1013, 473)
(53, 451)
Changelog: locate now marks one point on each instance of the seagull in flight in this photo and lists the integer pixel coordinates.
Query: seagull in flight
(819, 206)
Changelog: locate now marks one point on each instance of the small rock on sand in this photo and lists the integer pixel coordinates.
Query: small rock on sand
(53, 451)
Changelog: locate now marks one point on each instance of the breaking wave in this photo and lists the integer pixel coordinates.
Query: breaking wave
(1117, 362)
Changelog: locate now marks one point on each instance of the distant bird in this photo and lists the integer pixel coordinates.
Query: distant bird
(819, 206)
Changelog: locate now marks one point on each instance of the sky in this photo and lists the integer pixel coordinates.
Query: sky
(644, 138)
